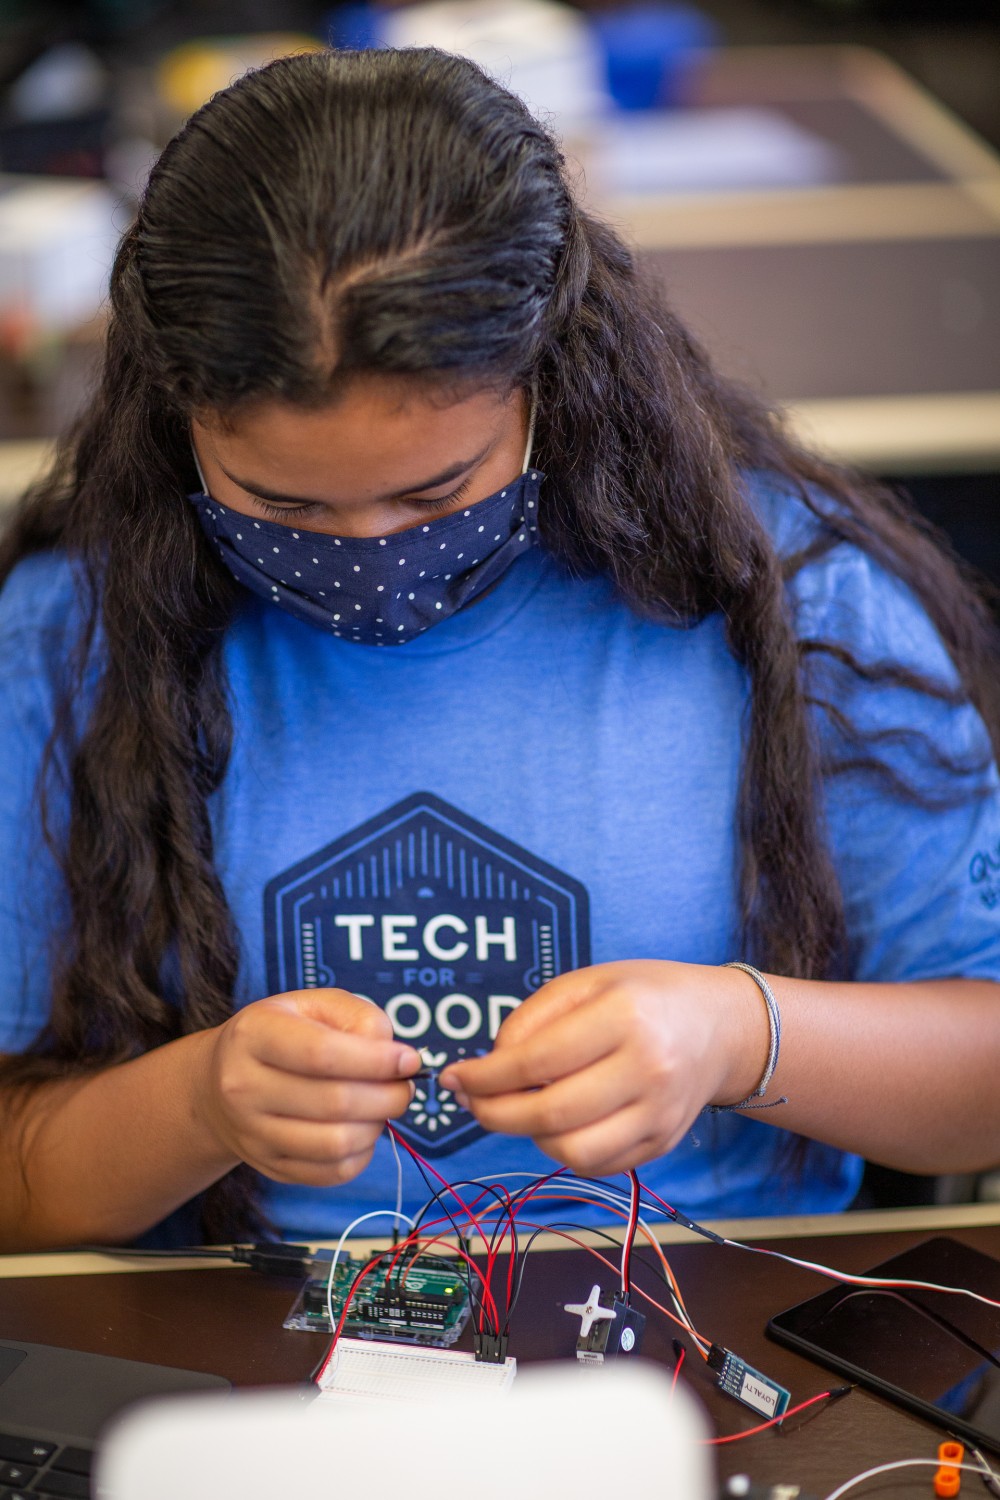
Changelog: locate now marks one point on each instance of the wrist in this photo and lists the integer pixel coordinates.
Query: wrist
(201, 1075)
(748, 1030)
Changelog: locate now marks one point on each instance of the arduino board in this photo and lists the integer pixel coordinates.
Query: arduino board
(416, 1300)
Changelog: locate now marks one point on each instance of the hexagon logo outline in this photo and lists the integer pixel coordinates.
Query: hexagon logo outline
(444, 923)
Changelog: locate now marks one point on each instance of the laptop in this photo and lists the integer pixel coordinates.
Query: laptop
(53, 1404)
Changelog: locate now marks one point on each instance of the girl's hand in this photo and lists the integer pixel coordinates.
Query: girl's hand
(300, 1085)
(607, 1067)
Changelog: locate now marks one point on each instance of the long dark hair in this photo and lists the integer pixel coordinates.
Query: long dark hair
(400, 213)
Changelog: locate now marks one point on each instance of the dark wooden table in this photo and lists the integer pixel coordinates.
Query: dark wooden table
(228, 1322)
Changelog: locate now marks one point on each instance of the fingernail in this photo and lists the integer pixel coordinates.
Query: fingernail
(409, 1062)
(463, 1099)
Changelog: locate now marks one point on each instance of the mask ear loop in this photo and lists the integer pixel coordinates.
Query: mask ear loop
(197, 464)
(531, 431)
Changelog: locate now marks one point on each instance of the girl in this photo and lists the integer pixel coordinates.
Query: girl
(420, 662)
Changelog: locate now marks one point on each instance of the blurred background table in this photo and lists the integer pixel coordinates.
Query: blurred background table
(867, 305)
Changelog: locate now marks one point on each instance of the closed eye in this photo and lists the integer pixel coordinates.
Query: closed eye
(441, 502)
(282, 512)
(279, 512)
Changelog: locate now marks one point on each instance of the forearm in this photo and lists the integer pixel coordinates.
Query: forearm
(906, 1074)
(101, 1159)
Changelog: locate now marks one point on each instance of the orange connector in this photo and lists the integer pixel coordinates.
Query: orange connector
(948, 1479)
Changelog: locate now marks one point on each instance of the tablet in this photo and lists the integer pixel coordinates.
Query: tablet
(935, 1353)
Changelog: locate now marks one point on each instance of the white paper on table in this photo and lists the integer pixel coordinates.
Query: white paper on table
(706, 150)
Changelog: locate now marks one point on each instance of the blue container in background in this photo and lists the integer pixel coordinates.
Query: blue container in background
(650, 51)
(357, 26)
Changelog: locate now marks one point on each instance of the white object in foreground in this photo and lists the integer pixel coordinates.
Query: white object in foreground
(563, 1430)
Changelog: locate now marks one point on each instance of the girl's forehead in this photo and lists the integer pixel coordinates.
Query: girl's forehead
(393, 411)
(377, 437)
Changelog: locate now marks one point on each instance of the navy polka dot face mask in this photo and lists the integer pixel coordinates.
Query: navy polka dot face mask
(378, 591)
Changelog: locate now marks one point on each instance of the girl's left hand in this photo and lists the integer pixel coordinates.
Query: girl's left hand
(608, 1067)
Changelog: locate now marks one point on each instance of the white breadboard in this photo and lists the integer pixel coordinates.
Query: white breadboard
(369, 1370)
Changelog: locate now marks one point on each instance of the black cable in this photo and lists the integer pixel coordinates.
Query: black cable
(642, 1257)
(507, 1222)
(518, 1198)
(505, 1199)
(542, 1229)
(515, 1200)
(555, 1226)
(437, 1196)
(524, 1194)
(511, 1201)
(499, 1235)
(192, 1252)
(504, 1226)
(267, 1257)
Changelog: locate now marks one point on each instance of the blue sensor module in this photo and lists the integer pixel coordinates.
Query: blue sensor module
(737, 1378)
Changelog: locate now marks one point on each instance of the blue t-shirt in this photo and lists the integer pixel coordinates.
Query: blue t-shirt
(541, 782)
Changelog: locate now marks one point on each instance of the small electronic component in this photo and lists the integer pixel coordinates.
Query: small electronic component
(420, 1299)
(491, 1348)
(737, 1378)
(609, 1327)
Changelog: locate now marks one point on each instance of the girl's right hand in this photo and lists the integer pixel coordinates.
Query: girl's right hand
(300, 1085)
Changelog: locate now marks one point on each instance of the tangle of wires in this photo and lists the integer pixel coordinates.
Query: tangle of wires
(494, 1213)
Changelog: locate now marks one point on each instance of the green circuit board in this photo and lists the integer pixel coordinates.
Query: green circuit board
(416, 1300)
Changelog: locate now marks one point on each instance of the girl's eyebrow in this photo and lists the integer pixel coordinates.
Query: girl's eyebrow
(445, 477)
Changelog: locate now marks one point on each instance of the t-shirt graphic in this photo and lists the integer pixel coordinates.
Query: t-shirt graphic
(443, 923)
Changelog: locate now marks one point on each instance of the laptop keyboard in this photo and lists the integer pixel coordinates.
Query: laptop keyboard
(30, 1468)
